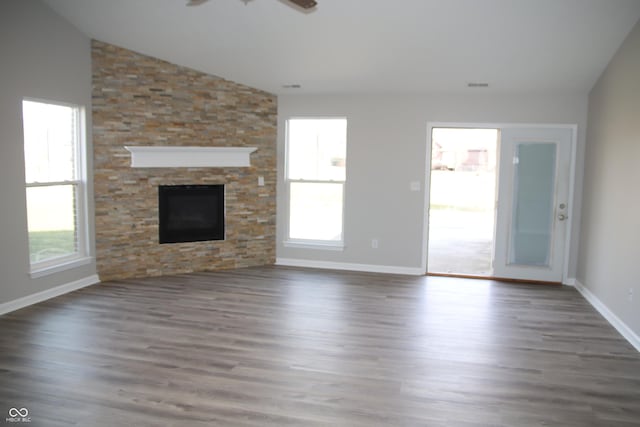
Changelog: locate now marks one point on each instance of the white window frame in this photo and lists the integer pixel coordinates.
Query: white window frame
(82, 255)
(330, 245)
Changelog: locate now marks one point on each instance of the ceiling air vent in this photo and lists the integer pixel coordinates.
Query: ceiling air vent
(477, 84)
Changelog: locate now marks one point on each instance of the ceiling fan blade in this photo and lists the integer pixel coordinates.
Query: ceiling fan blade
(305, 4)
(196, 2)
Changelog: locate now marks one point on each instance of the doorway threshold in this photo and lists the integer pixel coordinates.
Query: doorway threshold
(497, 279)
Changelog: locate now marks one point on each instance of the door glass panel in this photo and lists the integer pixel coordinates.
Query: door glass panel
(532, 220)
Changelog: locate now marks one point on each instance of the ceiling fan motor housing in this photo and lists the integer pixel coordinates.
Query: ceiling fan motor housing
(306, 4)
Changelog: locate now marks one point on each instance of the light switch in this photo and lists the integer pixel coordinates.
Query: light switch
(261, 181)
(414, 186)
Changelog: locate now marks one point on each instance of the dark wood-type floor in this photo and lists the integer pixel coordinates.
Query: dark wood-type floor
(281, 346)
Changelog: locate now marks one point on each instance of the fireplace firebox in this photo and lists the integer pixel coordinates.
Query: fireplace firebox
(191, 213)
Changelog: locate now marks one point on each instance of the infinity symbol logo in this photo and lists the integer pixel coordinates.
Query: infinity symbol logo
(15, 412)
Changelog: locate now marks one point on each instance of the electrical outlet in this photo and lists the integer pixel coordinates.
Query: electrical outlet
(374, 243)
(630, 294)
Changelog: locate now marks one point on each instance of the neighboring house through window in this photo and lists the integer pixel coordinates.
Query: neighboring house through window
(55, 185)
(315, 177)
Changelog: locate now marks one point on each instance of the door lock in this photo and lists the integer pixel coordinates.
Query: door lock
(562, 217)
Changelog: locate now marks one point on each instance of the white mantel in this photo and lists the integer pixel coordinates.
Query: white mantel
(189, 157)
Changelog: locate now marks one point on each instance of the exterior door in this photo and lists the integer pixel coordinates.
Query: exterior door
(532, 207)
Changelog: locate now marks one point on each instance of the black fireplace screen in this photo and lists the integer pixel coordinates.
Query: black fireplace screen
(191, 213)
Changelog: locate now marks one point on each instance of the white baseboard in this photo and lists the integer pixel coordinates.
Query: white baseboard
(369, 268)
(19, 303)
(570, 281)
(615, 321)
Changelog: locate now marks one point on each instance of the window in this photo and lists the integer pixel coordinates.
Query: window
(315, 177)
(55, 185)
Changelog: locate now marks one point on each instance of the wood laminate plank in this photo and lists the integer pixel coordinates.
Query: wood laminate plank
(298, 347)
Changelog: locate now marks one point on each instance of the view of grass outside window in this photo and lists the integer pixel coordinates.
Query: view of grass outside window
(316, 172)
(462, 201)
(53, 182)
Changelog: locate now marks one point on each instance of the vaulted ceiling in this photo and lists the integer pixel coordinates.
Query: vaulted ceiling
(372, 46)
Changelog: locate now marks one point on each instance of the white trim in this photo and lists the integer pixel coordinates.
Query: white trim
(614, 320)
(570, 281)
(369, 268)
(570, 199)
(189, 157)
(48, 294)
(427, 201)
(58, 267)
(324, 245)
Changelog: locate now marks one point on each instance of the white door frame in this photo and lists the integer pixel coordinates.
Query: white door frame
(572, 179)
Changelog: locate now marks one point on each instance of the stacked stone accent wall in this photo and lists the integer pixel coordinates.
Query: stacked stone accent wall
(139, 100)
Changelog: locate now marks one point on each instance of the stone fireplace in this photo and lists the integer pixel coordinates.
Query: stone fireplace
(146, 102)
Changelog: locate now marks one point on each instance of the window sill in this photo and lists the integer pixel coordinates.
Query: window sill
(41, 271)
(310, 244)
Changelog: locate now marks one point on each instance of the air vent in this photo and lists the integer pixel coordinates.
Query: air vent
(477, 84)
(292, 86)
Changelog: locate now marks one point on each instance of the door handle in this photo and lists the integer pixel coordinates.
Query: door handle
(562, 217)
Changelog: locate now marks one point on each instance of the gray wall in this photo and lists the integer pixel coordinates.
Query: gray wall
(387, 143)
(609, 259)
(42, 57)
